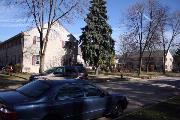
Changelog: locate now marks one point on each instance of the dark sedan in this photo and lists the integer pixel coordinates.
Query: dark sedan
(63, 72)
(59, 99)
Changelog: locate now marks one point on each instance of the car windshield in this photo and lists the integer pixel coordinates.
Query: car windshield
(51, 70)
(34, 89)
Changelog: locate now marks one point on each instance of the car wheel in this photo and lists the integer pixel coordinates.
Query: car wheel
(116, 111)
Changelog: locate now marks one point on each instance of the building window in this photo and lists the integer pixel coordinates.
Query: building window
(165, 66)
(35, 60)
(36, 39)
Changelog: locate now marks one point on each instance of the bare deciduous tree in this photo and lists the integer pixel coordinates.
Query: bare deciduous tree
(49, 11)
(152, 46)
(143, 21)
(127, 46)
(169, 29)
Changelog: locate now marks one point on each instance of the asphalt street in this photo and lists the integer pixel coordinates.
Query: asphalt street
(144, 92)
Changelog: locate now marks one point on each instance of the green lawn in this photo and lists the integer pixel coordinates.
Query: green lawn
(169, 110)
(15, 76)
(15, 80)
(144, 75)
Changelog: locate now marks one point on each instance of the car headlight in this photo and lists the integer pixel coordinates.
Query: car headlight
(4, 109)
(7, 114)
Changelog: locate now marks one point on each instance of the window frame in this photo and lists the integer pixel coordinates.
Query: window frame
(102, 93)
(35, 59)
(36, 40)
(67, 86)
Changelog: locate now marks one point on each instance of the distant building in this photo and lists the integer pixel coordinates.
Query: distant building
(23, 49)
(131, 61)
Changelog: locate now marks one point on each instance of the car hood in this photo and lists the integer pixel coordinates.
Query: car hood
(13, 97)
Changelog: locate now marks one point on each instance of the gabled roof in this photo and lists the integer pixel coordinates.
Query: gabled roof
(157, 53)
(12, 38)
(23, 33)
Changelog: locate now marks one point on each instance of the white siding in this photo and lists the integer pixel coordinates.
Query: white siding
(169, 62)
(54, 52)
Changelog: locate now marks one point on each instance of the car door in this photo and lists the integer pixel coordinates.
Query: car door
(69, 101)
(96, 102)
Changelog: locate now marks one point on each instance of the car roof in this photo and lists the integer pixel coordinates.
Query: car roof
(59, 82)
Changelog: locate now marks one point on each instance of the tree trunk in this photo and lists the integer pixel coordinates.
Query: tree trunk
(140, 64)
(41, 55)
(41, 67)
(147, 68)
(164, 61)
(148, 62)
(140, 51)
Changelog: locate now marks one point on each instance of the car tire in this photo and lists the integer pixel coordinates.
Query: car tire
(116, 111)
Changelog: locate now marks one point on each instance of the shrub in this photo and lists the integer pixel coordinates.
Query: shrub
(17, 68)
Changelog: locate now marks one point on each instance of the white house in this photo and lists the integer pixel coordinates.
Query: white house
(23, 49)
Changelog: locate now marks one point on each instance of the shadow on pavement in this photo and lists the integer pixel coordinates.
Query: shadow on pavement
(107, 79)
(144, 93)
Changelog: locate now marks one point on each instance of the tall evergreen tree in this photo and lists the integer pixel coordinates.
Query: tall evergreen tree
(96, 42)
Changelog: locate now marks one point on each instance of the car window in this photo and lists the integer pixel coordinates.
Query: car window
(91, 90)
(50, 70)
(70, 70)
(69, 91)
(60, 70)
(34, 89)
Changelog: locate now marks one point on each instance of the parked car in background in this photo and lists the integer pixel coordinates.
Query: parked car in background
(59, 100)
(63, 72)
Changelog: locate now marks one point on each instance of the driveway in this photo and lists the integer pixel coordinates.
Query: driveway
(142, 93)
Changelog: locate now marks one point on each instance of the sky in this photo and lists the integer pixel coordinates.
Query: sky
(11, 24)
